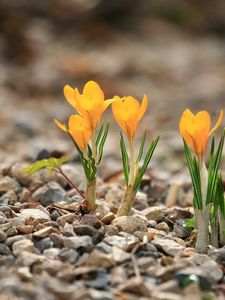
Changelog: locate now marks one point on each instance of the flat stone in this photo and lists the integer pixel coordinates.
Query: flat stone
(35, 213)
(69, 255)
(76, 242)
(21, 246)
(91, 220)
(4, 249)
(3, 236)
(85, 230)
(7, 183)
(130, 224)
(25, 229)
(168, 246)
(162, 226)
(44, 232)
(125, 243)
(107, 219)
(28, 259)
(155, 213)
(50, 193)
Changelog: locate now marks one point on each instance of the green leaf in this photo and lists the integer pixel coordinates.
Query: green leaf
(195, 176)
(102, 143)
(50, 164)
(146, 163)
(125, 159)
(141, 148)
(190, 223)
(99, 135)
(213, 170)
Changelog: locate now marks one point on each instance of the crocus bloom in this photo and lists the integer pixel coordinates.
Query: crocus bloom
(128, 112)
(79, 128)
(195, 129)
(90, 104)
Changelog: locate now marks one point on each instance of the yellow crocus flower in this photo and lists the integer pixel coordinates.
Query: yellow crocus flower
(128, 113)
(90, 104)
(195, 129)
(79, 129)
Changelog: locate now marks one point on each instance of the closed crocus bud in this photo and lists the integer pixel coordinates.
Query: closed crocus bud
(90, 104)
(79, 129)
(128, 112)
(195, 129)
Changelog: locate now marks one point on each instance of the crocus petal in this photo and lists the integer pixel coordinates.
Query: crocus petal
(217, 123)
(70, 95)
(144, 105)
(60, 125)
(90, 88)
(108, 102)
(202, 120)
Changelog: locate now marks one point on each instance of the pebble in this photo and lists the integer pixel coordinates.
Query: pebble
(155, 213)
(4, 249)
(25, 229)
(111, 230)
(8, 184)
(28, 259)
(43, 232)
(50, 193)
(35, 213)
(130, 224)
(69, 255)
(107, 219)
(125, 243)
(44, 244)
(77, 242)
(21, 246)
(3, 236)
(91, 220)
(163, 226)
(85, 230)
(169, 246)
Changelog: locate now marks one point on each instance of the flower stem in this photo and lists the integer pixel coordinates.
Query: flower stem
(203, 234)
(127, 202)
(91, 195)
(93, 142)
(60, 171)
(222, 227)
(132, 163)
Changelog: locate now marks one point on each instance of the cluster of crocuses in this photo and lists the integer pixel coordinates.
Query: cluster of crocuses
(89, 138)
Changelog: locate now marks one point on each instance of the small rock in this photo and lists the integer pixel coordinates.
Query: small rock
(44, 244)
(51, 253)
(107, 219)
(4, 249)
(21, 246)
(17, 222)
(136, 286)
(69, 255)
(163, 226)
(8, 184)
(67, 218)
(28, 259)
(44, 232)
(100, 259)
(48, 194)
(6, 260)
(111, 230)
(11, 240)
(3, 236)
(155, 213)
(25, 229)
(125, 243)
(77, 242)
(85, 230)
(35, 213)
(91, 220)
(8, 198)
(24, 273)
(170, 247)
(130, 224)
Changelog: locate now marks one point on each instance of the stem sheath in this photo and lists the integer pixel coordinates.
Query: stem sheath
(91, 195)
(127, 202)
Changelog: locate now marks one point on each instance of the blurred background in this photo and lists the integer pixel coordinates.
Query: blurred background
(173, 51)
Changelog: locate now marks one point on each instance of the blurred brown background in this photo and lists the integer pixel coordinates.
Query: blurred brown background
(173, 51)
